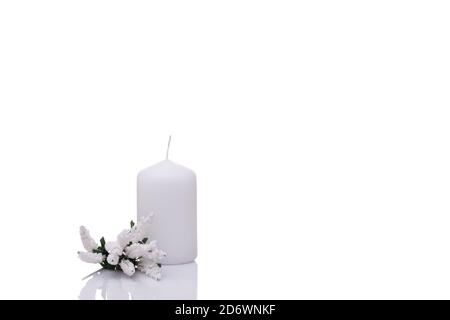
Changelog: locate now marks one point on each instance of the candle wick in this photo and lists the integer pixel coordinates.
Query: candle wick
(168, 146)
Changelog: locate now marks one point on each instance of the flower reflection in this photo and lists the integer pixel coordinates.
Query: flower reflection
(178, 282)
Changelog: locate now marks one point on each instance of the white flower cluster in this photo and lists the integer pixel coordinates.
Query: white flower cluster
(129, 252)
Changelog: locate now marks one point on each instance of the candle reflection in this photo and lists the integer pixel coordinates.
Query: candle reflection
(178, 282)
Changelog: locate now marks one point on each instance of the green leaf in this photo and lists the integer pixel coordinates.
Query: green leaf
(102, 242)
(132, 223)
(100, 250)
(144, 240)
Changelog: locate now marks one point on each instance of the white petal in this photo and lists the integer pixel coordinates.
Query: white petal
(113, 247)
(113, 259)
(124, 238)
(88, 243)
(90, 257)
(127, 267)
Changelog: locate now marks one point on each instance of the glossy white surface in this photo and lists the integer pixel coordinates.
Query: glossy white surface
(318, 130)
(179, 282)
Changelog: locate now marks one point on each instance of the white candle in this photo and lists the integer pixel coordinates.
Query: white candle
(170, 191)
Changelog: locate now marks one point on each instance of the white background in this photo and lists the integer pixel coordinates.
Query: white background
(319, 132)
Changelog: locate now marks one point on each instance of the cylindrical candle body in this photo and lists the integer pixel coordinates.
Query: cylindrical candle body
(170, 191)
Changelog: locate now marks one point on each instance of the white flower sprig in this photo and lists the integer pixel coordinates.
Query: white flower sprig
(129, 252)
